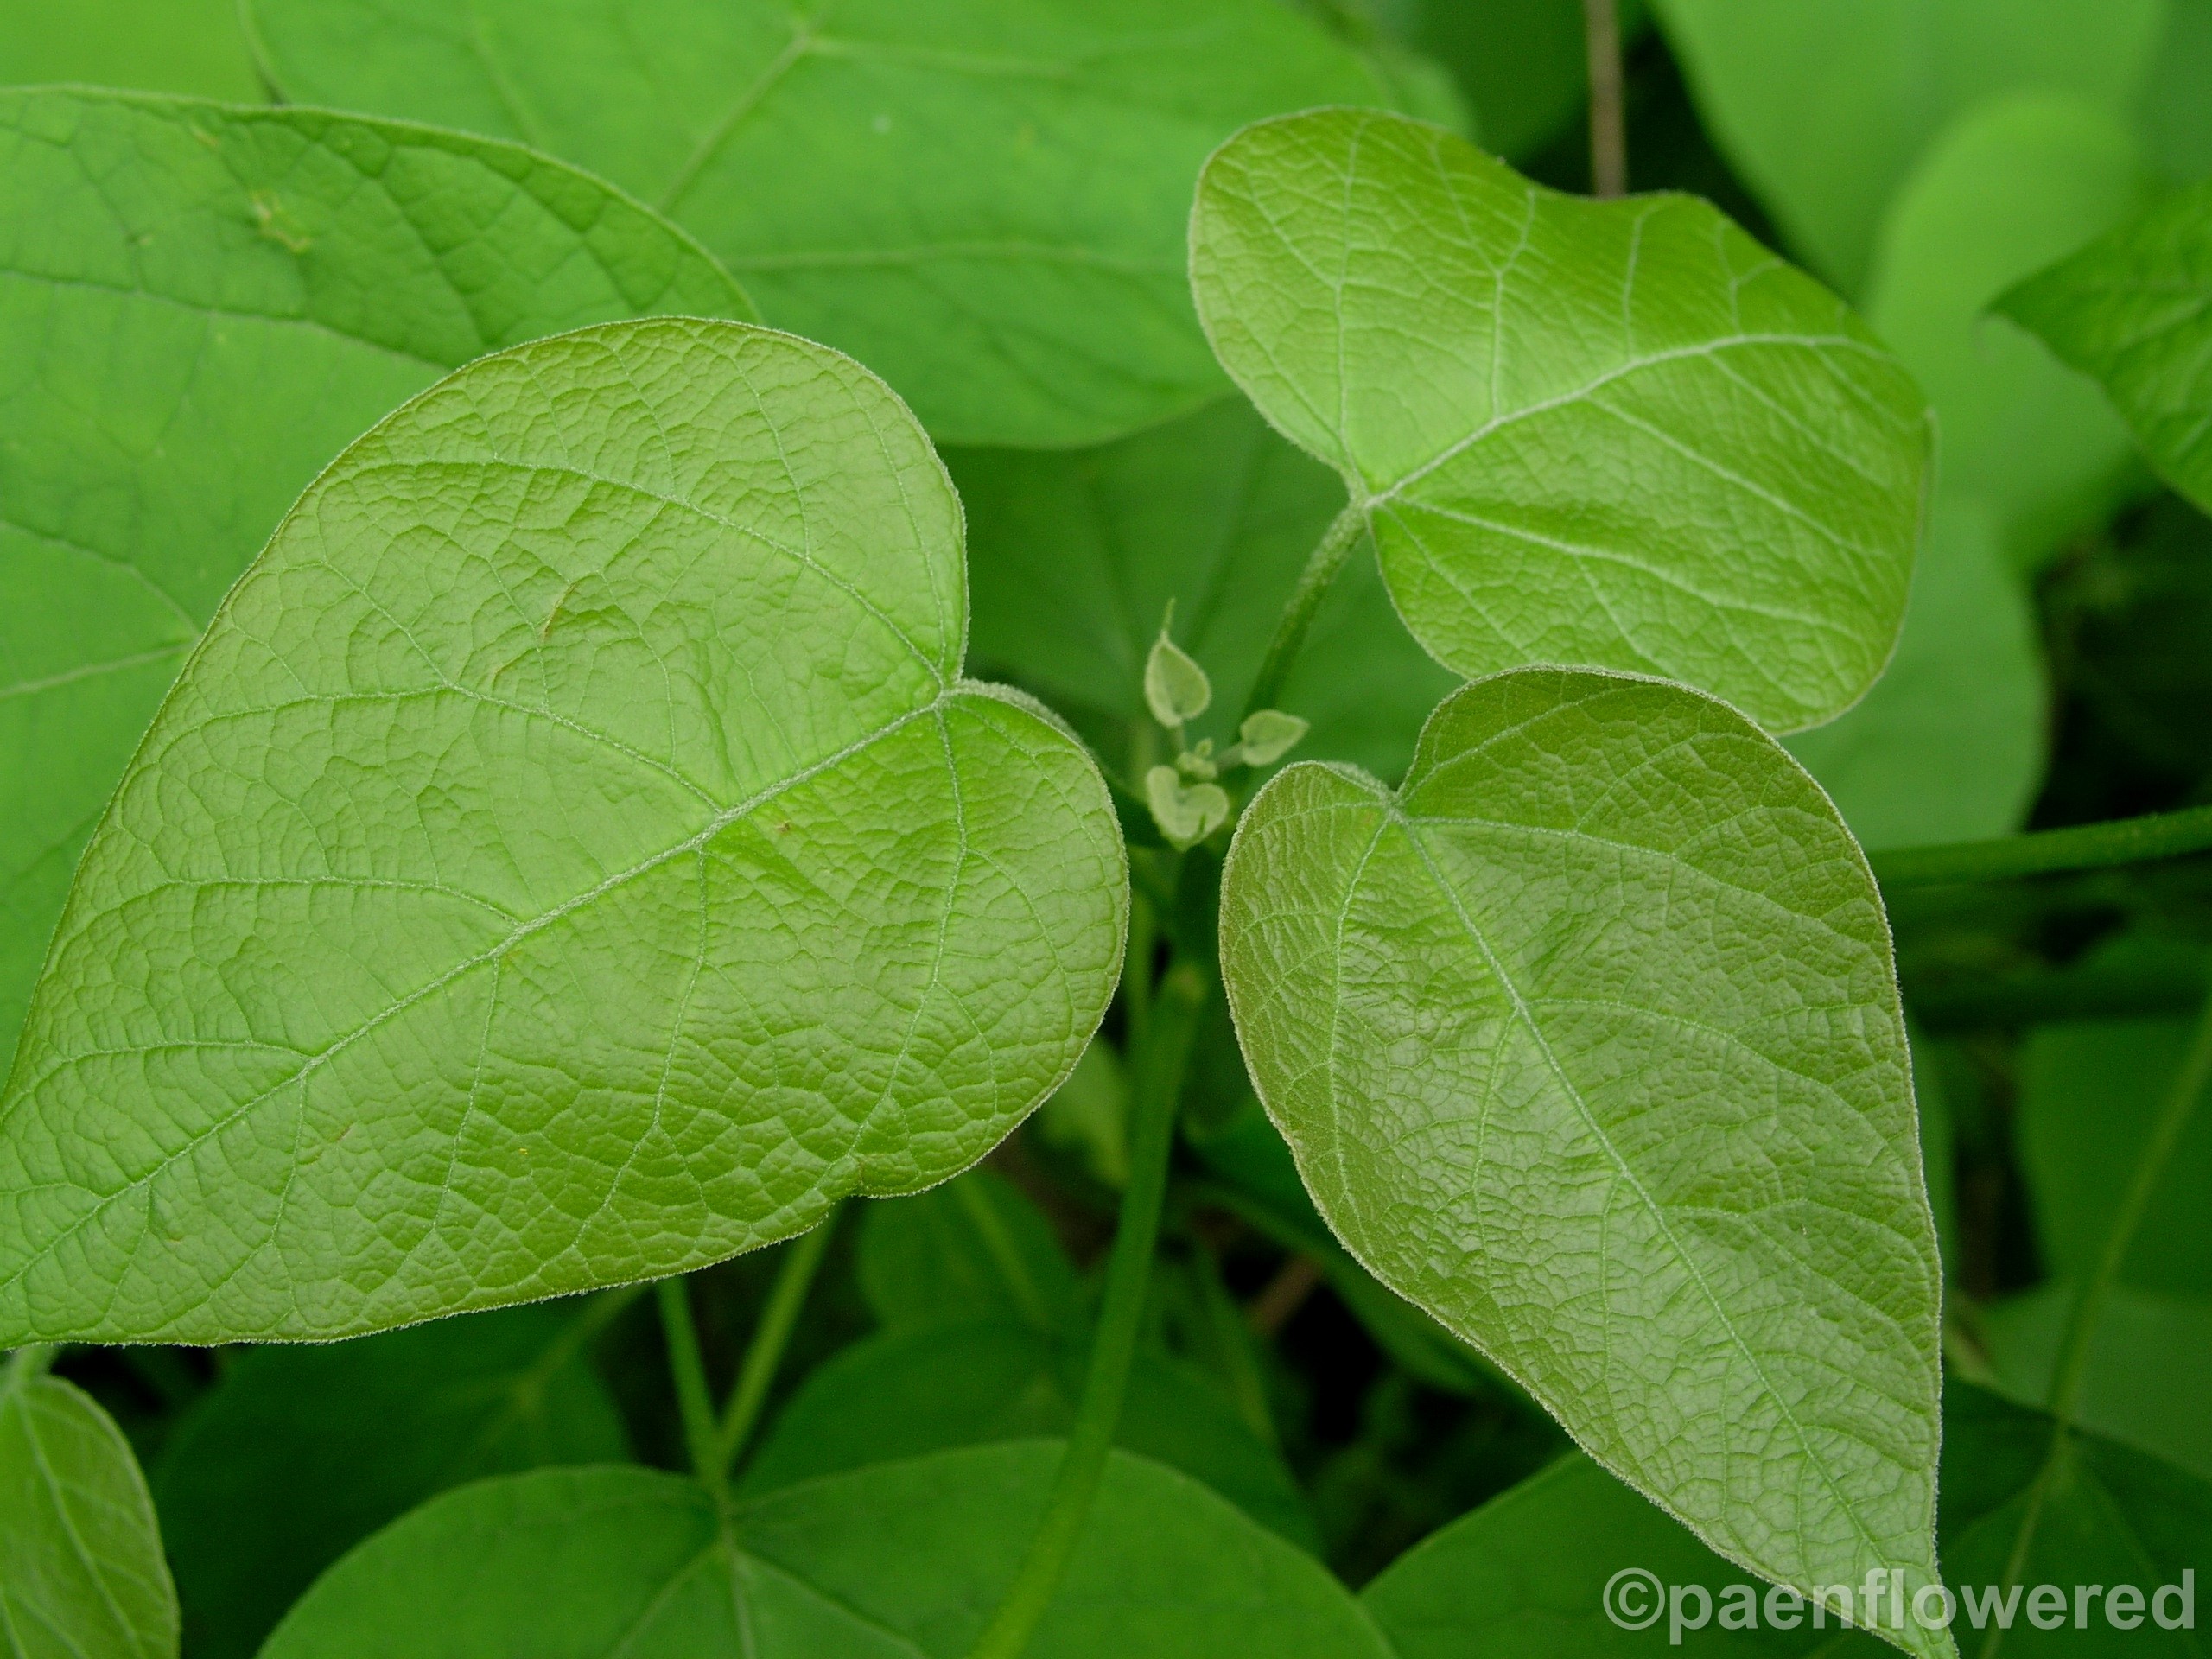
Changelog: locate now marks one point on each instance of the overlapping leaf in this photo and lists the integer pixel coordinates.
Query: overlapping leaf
(571, 857)
(1587, 1041)
(163, 46)
(1620, 434)
(199, 307)
(983, 201)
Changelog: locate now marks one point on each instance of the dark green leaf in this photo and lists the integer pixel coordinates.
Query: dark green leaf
(972, 1249)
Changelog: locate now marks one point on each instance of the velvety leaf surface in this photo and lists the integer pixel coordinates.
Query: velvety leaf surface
(972, 1249)
(303, 1451)
(1587, 1041)
(984, 200)
(571, 857)
(2135, 310)
(1613, 433)
(1075, 556)
(905, 1559)
(199, 308)
(1824, 106)
(161, 46)
(81, 1572)
(1949, 744)
(2008, 188)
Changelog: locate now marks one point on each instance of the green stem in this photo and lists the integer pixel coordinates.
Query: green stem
(765, 1354)
(1313, 582)
(2072, 1366)
(690, 1371)
(2088, 847)
(1608, 117)
(1160, 1062)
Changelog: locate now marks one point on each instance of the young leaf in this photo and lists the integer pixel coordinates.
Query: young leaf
(1948, 746)
(2135, 310)
(200, 306)
(1268, 735)
(1186, 813)
(301, 1451)
(1587, 1041)
(1073, 555)
(164, 46)
(1824, 106)
(1176, 688)
(81, 1554)
(2002, 192)
(901, 1559)
(571, 857)
(1615, 432)
(982, 202)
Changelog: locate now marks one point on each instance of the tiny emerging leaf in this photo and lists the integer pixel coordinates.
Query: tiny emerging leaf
(1186, 813)
(1268, 735)
(1175, 688)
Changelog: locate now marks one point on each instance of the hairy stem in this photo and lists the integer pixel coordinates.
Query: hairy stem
(2088, 847)
(765, 1354)
(1313, 582)
(1608, 118)
(1160, 1064)
(689, 1372)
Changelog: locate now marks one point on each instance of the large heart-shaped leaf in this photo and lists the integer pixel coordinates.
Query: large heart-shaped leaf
(80, 1555)
(2135, 310)
(1824, 106)
(899, 1562)
(1613, 433)
(303, 1451)
(199, 307)
(1587, 1040)
(982, 200)
(570, 857)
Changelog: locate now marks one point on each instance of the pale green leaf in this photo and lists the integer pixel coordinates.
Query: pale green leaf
(1949, 744)
(1613, 433)
(1176, 688)
(1824, 106)
(984, 200)
(81, 1573)
(199, 308)
(1186, 813)
(2005, 189)
(1267, 735)
(1587, 1041)
(572, 856)
(160, 46)
(1074, 555)
(905, 1560)
(301, 1451)
(2135, 310)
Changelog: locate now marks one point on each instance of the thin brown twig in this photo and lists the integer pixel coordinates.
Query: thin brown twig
(1283, 1295)
(1608, 122)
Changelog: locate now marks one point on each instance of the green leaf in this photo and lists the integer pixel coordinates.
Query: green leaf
(1824, 106)
(1523, 63)
(972, 1249)
(2005, 190)
(908, 1392)
(1176, 688)
(1586, 1040)
(983, 202)
(903, 1560)
(199, 308)
(1075, 555)
(2135, 310)
(1948, 746)
(303, 1452)
(162, 45)
(81, 1570)
(2176, 118)
(571, 857)
(1614, 433)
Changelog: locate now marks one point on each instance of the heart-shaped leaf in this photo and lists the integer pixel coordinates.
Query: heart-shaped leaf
(570, 857)
(984, 202)
(80, 1555)
(1587, 1041)
(903, 1561)
(200, 306)
(2135, 310)
(1620, 434)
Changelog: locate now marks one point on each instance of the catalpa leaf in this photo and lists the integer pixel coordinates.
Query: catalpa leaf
(2135, 310)
(1587, 1041)
(81, 1554)
(899, 1562)
(200, 306)
(1824, 106)
(572, 856)
(1613, 433)
(984, 200)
